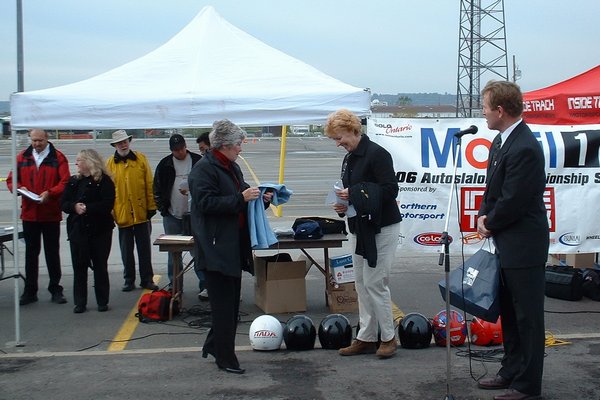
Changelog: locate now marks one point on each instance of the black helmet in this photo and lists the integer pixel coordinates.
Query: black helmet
(335, 332)
(415, 331)
(299, 333)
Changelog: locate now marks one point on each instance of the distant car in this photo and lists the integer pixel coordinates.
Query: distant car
(300, 130)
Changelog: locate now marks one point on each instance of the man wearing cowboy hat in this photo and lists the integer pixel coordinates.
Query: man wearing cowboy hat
(133, 209)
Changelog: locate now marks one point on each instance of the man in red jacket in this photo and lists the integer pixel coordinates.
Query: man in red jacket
(44, 171)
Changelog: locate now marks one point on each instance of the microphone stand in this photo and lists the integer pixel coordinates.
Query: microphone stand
(445, 260)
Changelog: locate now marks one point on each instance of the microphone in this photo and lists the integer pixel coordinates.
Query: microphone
(469, 131)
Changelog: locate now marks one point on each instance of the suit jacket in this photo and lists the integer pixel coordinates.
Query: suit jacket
(513, 200)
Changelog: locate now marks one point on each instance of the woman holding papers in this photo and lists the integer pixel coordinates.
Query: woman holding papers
(88, 199)
(219, 216)
(370, 187)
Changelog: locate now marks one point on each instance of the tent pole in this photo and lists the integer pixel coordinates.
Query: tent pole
(15, 241)
(278, 210)
(20, 88)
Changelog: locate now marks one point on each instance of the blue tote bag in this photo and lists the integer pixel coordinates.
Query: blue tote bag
(474, 286)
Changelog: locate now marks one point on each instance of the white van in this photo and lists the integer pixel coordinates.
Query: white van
(300, 130)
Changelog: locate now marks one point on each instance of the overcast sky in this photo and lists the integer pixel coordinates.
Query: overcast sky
(390, 46)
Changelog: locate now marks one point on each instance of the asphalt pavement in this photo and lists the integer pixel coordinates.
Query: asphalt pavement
(111, 355)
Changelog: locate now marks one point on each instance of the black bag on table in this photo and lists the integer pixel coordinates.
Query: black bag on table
(564, 282)
(327, 225)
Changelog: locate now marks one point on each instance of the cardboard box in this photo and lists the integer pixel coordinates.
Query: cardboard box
(343, 298)
(280, 286)
(579, 260)
(342, 269)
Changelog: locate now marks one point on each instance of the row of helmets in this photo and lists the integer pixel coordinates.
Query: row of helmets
(299, 333)
(415, 330)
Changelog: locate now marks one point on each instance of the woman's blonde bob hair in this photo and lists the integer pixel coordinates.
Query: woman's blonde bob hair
(342, 120)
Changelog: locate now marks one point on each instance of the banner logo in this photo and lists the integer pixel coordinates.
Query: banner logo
(570, 239)
(430, 239)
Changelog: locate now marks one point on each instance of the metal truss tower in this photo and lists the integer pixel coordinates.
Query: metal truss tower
(481, 52)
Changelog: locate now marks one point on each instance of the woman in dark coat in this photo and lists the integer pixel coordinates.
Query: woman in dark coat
(88, 199)
(219, 214)
(370, 187)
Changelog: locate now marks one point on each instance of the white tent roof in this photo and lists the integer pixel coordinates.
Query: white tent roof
(208, 71)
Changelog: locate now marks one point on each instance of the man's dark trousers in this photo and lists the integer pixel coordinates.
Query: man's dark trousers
(32, 234)
(140, 233)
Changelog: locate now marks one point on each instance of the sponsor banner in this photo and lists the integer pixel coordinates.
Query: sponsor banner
(424, 150)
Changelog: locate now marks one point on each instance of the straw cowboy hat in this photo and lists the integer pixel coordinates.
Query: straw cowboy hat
(119, 136)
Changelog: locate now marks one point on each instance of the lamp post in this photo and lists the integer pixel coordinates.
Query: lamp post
(516, 71)
(19, 46)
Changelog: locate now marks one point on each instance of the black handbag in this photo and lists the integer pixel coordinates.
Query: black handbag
(564, 282)
(474, 286)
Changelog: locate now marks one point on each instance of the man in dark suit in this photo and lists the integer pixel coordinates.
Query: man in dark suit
(513, 214)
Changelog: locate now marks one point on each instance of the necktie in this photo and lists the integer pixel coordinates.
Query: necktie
(496, 147)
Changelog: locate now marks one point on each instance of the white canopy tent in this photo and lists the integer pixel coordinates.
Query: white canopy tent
(208, 71)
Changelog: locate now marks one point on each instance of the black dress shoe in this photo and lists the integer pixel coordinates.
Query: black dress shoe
(128, 287)
(79, 309)
(58, 298)
(27, 299)
(496, 382)
(232, 370)
(103, 308)
(149, 286)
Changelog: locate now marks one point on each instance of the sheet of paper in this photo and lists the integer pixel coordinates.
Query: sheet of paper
(332, 198)
(29, 195)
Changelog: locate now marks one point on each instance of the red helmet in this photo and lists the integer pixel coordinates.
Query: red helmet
(485, 333)
(458, 328)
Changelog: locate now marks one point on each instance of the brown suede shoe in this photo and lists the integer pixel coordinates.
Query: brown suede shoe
(512, 394)
(387, 349)
(358, 347)
(495, 382)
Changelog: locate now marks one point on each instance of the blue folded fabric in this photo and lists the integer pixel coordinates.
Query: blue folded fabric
(261, 234)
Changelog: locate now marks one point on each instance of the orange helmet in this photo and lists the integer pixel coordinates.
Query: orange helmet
(485, 333)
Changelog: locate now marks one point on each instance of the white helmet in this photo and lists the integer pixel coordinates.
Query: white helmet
(266, 333)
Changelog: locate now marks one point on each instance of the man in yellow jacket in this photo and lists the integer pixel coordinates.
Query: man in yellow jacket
(133, 209)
